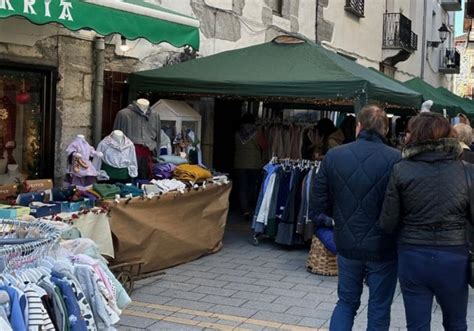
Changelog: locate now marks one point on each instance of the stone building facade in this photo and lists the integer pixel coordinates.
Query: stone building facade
(366, 36)
(225, 25)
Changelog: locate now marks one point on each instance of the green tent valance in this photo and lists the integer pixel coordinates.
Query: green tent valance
(288, 69)
(131, 18)
(466, 104)
(440, 101)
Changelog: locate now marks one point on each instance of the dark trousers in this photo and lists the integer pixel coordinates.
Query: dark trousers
(248, 184)
(382, 281)
(430, 272)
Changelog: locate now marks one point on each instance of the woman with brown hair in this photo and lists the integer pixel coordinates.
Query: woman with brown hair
(427, 208)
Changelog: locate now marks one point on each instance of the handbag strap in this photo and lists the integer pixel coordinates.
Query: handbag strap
(470, 190)
(471, 196)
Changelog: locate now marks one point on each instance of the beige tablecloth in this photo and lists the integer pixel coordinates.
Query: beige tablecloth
(174, 229)
(94, 225)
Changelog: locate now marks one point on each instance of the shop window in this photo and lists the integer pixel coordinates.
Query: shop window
(26, 123)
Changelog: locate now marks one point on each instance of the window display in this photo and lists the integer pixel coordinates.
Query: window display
(21, 120)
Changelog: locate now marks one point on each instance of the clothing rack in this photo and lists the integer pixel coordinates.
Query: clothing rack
(54, 287)
(295, 162)
(48, 236)
(283, 207)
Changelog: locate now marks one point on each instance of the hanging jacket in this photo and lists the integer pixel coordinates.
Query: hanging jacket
(142, 128)
(350, 187)
(427, 200)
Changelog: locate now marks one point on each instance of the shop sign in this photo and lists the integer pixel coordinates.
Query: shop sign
(63, 9)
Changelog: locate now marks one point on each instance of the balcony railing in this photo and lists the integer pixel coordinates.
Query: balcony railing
(397, 33)
(451, 5)
(355, 7)
(450, 61)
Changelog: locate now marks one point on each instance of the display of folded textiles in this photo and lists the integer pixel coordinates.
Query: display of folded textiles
(173, 159)
(163, 170)
(168, 185)
(107, 191)
(283, 209)
(49, 287)
(191, 173)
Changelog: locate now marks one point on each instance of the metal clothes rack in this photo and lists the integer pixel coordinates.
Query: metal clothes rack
(288, 163)
(48, 237)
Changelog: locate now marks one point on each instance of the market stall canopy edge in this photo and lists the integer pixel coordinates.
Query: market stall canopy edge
(131, 18)
(466, 104)
(429, 92)
(286, 68)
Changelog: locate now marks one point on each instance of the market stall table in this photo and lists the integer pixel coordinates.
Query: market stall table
(173, 229)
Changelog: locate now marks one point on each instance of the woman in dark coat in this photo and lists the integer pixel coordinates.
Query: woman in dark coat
(427, 207)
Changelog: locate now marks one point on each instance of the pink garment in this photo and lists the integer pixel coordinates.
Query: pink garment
(87, 260)
(80, 146)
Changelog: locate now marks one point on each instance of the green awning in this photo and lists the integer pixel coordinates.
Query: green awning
(131, 18)
(286, 69)
(466, 104)
(429, 92)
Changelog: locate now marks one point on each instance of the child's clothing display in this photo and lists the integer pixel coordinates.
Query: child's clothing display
(118, 161)
(80, 170)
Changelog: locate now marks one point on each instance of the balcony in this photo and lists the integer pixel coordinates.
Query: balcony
(397, 33)
(355, 7)
(450, 61)
(451, 5)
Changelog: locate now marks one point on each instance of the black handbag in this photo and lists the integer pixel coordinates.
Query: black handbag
(470, 232)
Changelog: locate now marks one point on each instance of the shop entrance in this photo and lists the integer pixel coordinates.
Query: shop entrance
(27, 113)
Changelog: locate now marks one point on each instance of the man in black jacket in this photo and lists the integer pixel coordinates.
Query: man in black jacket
(350, 187)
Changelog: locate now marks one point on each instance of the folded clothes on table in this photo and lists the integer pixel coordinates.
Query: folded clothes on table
(126, 190)
(107, 191)
(174, 159)
(163, 170)
(191, 173)
(168, 185)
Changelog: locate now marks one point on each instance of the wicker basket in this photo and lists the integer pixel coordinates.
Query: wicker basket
(320, 260)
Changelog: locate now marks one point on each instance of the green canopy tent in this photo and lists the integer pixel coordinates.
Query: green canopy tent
(429, 92)
(466, 104)
(287, 69)
(131, 18)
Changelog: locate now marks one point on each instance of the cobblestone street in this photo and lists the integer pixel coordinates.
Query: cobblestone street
(246, 287)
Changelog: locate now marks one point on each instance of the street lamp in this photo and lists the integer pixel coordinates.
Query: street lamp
(443, 35)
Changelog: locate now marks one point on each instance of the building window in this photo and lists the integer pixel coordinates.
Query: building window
(26, 122)
(277, 7)
(388, 70)
(355, 7)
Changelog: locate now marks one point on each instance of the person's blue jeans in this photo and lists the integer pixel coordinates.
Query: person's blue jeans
(382, 281)
(425, 273)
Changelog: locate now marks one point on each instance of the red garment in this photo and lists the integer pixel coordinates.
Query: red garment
(145, 161)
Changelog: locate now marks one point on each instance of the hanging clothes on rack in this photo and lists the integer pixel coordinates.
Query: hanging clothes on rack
(282, 210)
(44, 286)
(286, 139)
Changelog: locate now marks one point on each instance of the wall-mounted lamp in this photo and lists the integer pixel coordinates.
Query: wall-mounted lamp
(443, 35)
(123, 45)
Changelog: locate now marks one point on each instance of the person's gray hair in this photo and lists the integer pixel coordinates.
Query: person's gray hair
(372, 117)
(464, 132)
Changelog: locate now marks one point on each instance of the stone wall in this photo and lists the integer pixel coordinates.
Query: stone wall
(324, 28)
(72, 58)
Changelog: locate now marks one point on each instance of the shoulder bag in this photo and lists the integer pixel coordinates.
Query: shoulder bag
(470, 235)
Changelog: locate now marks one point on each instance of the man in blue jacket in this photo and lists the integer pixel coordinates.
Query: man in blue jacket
(350, 186)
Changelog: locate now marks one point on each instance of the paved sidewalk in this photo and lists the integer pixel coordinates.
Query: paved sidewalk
(244, 287)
